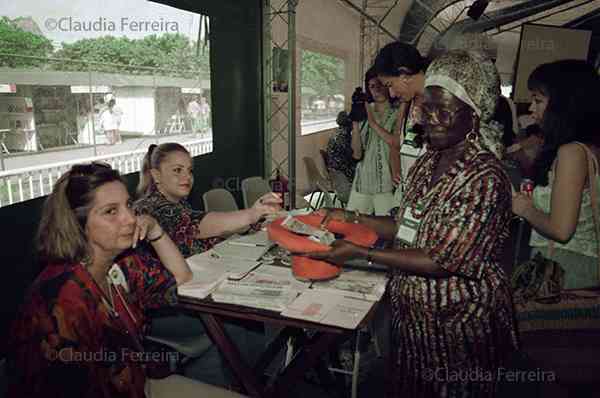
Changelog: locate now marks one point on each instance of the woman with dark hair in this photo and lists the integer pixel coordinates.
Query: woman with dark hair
(450, 299)
(401, 68)
(79, 332)
(564, 104)
(372, 189)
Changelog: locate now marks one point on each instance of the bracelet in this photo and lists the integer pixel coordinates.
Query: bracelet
(369, 257)
(162, 233)
(352, 217)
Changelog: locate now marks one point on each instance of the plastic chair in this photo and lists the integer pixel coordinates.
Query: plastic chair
(318, 183)
(219, 199)
(181, 333)
(252, 189)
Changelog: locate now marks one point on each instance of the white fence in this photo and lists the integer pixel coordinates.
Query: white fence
(19, 185)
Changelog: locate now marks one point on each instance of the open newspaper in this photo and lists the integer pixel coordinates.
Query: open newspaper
(318, 235)
(364, 285)
(208, 271)
(329, 309)
(269, 287)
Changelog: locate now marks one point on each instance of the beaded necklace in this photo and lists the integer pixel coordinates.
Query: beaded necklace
(438, 193)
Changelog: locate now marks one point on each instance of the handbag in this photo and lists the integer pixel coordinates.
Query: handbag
(541, 279)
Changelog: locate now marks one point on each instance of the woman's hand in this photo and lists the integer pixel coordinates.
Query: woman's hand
(521, 204)
(329, 214)
(341, 252)
(369, 112)
(269, 203)
(146, 227)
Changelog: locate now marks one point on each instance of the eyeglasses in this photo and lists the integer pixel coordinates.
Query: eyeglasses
(85, 169)
(443, 115)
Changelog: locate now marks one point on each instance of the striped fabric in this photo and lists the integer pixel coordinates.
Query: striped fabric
(454, 333)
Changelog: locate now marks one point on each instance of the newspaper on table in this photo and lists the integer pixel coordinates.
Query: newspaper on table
(268, 287)
(257, 239)
(208, 271)
(241, 248)
(364, 285)
(318, 235)
(329, 309)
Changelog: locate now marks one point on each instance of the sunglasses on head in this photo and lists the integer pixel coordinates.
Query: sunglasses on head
(85, 169)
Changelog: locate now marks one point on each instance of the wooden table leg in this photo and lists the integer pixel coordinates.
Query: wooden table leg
(306, 358)
(245, 374)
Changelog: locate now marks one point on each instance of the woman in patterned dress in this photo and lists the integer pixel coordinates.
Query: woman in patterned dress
(79, 331)
(372, 189)
(166, 180)
(451, 303)
(564, 104)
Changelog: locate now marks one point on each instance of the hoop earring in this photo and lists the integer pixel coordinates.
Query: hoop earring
(473, 137)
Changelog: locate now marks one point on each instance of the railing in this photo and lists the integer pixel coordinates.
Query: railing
(23, 184)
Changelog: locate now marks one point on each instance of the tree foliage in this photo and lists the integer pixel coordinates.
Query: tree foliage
(174, 53)
(322, 73)
(14, 40)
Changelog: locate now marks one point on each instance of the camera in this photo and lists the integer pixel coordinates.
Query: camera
(358, 112)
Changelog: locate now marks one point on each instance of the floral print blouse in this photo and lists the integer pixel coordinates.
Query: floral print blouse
(178, 220)
(67, 342)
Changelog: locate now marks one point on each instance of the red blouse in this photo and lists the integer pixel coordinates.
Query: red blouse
(67, 343)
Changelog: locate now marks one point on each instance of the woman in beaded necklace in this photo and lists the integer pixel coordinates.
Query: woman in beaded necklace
(450, 299)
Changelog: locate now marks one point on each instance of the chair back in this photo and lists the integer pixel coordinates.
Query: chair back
(341, 186)
(253, 188)
(219, 199)
(316, 180)
(325, 157)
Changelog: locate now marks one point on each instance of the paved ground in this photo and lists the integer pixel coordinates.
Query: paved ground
(17, 160)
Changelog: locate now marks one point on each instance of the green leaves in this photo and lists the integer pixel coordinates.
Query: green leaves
(322, 74)
(14, 40)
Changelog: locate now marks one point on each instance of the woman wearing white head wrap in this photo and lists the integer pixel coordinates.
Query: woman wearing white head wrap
(451, 303)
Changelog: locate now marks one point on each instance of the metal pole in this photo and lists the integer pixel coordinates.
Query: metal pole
(370, 18)
(292, 4)
(91, 114)
(363, 43)
(267, 86)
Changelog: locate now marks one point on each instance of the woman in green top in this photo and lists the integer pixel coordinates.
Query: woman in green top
(564, 104)
(372, 189)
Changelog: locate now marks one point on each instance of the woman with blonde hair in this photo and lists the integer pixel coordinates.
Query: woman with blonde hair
(166, 180)
(79, 331)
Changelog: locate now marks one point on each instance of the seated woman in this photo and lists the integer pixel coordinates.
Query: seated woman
(166, 180)
(561, 210)
(79, 331)
(450, 299)
(372, 190)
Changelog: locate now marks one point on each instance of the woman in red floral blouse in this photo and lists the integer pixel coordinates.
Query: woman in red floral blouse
(78, 332)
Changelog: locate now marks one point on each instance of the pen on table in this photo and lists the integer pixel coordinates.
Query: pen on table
(248, 244)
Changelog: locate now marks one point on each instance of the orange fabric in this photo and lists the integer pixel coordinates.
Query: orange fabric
(308, 268)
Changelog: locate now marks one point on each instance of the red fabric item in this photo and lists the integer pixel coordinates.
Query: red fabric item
(310, 269)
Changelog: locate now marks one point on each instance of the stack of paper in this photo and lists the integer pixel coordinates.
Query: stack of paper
(329, 309)
(208, 271)
(244, 247)
(269, 287)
